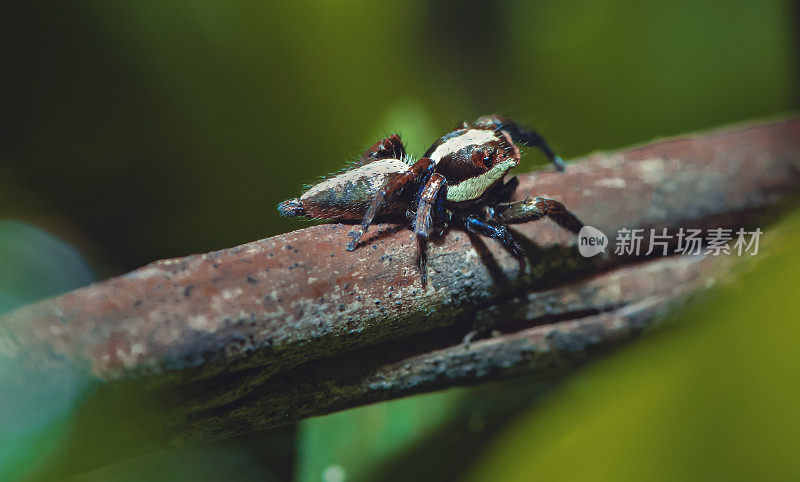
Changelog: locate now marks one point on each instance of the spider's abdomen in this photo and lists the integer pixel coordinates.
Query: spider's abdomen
(346, 196)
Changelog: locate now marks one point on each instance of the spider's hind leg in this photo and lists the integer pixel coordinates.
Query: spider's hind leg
(389, 148)
(523, 135)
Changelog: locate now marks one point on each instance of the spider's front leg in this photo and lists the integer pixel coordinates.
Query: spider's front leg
(388, 193)
(532, 210)
(523, 135)
(430, 213)
(474, 224)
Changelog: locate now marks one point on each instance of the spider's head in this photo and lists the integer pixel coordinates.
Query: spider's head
(474, 160)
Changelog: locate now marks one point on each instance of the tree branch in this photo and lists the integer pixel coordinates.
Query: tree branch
(243, 339)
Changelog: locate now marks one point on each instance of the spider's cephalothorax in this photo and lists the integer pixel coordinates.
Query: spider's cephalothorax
(459, 182)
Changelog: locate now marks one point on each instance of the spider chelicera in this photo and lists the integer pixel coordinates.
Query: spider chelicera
(458, 182)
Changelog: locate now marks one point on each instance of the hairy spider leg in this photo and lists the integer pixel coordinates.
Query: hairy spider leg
(431, 205)
(388, 193)
(441, 215)
(474, 224)
(523, 135)
(422, 180)
(533, 210)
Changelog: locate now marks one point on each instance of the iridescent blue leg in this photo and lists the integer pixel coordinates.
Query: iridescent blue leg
(474, 224)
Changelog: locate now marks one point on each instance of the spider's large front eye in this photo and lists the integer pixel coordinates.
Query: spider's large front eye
(487, 160)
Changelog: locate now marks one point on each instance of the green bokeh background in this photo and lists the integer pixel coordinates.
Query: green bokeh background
(135, 131)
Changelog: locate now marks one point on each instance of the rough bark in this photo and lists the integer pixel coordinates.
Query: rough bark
(219, 344)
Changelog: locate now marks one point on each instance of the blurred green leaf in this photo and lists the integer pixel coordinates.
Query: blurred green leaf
(713, 397)
(424, 437)
(35, 401)
(355, 443)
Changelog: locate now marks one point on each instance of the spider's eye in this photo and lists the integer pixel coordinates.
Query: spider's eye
(487, 160)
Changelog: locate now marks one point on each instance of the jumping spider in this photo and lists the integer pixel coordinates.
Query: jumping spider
(458, 182)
